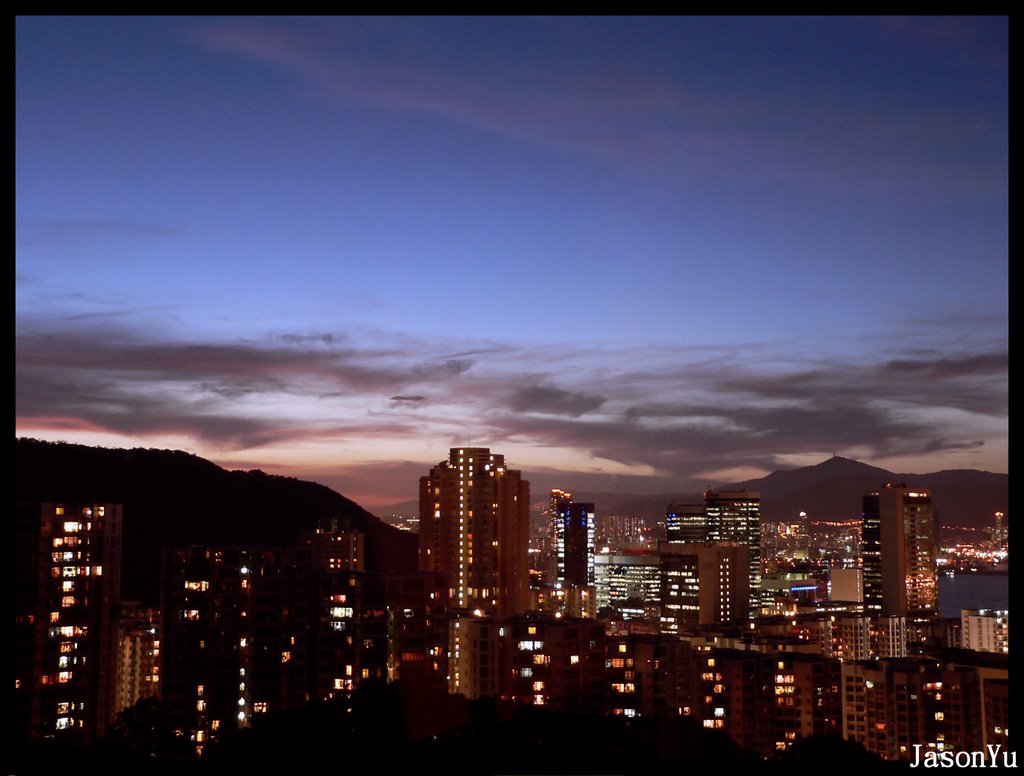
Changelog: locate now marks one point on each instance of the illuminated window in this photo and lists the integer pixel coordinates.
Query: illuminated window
(574, 659)
(286, 656)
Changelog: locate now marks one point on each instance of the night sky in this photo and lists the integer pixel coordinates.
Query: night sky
(629, 254)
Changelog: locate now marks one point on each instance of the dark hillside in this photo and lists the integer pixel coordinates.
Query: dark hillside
(175, 498)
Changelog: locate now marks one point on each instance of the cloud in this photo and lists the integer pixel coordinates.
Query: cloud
(632, 109)
(408, 401)
(681, 412)
(549, 400)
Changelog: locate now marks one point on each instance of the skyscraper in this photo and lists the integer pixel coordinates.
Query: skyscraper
(703, 584)
(898, 552)
(574, 540)
(686, 523)
(474, 529)
(68, 566)
(735, 516)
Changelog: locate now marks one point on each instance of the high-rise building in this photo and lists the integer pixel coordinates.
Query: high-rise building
(574, 541)
(67, 580)
(474, 529)
(986, 630)
(138, 648)
(703, 584)
(252, 630)
(899, 549)
(629, 584)
(735, 516)
(686, 522)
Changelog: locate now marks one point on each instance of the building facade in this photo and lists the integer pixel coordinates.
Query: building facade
(735, 516)
(67, 588)
(899, 550)
(474, 529)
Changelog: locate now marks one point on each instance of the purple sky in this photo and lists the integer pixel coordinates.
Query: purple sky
(628, 254)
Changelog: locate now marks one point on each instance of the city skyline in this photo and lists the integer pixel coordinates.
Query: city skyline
(632, 254)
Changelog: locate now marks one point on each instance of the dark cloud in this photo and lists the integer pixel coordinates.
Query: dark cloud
(450, 368)
(407, 401)
(549, 400)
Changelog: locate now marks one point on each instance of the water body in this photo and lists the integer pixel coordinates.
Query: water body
(973, 591)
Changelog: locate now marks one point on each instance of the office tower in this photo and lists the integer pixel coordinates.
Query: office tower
(67, 587)
(899, 548)
(735, 516)
(474, 529)
(686, 523)
(622, 531)
(703, 584)
(629, 584)
(574, 542)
